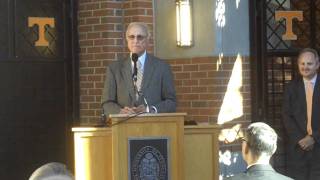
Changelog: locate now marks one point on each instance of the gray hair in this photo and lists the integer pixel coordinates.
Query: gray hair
(261, 139)
(142, 25)
(52, 171)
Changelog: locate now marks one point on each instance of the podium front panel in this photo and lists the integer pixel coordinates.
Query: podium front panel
(151, 126)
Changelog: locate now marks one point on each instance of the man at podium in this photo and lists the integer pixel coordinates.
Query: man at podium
(140, 82)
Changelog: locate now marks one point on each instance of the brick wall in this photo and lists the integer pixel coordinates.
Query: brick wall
(200, 86)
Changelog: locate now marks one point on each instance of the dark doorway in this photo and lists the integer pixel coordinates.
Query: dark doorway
(37, 87)
(274, 60)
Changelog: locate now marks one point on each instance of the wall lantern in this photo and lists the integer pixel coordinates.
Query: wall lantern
(184, 23)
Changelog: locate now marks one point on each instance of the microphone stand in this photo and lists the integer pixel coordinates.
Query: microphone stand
(103, 117)
(140, 94)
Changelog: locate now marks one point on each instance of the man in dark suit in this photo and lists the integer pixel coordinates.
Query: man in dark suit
(258, 145)
(301, 117)
(152, 90)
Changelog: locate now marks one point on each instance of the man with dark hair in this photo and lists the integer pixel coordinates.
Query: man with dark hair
(131, 88)
(258, 145)
(301, 118)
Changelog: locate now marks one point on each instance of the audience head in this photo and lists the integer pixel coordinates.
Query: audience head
(52, 171)
(259, 140)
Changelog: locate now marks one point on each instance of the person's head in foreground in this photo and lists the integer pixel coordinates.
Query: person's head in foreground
(259, 143)
(52, 171)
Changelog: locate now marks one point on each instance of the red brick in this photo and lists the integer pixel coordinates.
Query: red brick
(203, 67)
(93, 20)
(196, 75)
(86, 56)
(99, 85)
(86, 70)
(95, 105)
(184, 103)
(83, 64)
(87, 112)
(192, 67)
(111, 5)
(202, 119)
(103, 27)
(94, 35)
(83, 14)
(83, 78)
(86, 85)
(207, 82)
(104, 56)
(100, 42)
(94, 49)
(84, 106)
(190, 97)
(182, 75)
(202, 60)
(190, 82)
(87, 98)
(112, 48)
(113, 19)
(94, 64)
(85, 28)
(146, 19)
(84, 1)
(183, 89)
(92, 6)
(100, 70)
(86, 43)
(177, 83)
(95, 91)
(176, 68)
(83, 50)
(198, 89)
(208, 97)
(136, 4)
(104, 12)
(112, 35)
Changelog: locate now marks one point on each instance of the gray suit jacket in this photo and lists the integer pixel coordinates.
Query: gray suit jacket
(157, 86)
(259, 172)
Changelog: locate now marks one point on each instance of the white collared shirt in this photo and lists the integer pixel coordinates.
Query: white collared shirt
(313, 81)
(256, 164)
(141, 59)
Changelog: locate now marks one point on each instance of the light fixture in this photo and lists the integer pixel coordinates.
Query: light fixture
(184, 23)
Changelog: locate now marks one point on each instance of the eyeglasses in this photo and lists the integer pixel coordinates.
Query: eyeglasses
(138, 37)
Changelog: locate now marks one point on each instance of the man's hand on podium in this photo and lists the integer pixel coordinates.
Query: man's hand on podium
(127, 110)
(139, 109)
(133, 110)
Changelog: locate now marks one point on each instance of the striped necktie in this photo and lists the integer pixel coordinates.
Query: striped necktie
(139, 77)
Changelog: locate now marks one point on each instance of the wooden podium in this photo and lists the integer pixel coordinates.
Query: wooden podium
(190, 153)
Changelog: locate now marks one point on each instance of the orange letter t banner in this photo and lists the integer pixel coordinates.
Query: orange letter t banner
(41, 22)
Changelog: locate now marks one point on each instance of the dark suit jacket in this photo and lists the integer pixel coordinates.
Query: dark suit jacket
(157, 86)
(295, 111)
(259, 172)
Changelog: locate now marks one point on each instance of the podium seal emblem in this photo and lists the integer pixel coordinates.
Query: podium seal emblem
(149, 164)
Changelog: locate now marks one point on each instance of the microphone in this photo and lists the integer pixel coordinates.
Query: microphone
(134, 58)
(103, 116)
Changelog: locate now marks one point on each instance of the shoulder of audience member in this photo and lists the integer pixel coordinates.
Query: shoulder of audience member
(239, 176)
